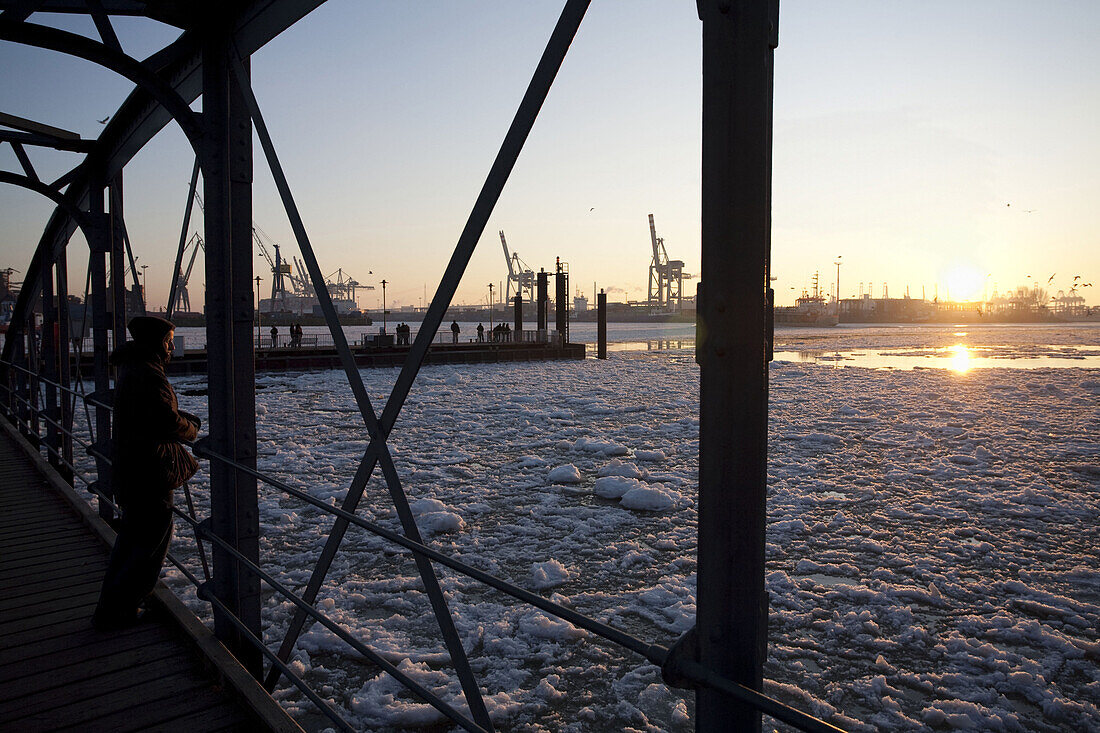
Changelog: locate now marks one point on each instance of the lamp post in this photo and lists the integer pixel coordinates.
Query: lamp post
(258, 278)
(383, 306)
(837, 263)
(490, 308)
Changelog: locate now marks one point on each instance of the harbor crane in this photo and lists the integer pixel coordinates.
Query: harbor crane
(666, 277)
(287, 281)
(521, 278)
(180, 300)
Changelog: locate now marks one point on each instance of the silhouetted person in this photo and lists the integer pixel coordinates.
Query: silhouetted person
(274, 336)
(147, 464)
(480, 333)
(454, 332)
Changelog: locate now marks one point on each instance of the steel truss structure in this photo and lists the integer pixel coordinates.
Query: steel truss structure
(722, 658)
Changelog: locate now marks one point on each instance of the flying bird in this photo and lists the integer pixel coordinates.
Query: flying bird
(104, 120)
(593, 208)
(1051, 279)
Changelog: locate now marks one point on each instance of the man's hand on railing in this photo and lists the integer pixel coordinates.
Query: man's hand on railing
(199, 446)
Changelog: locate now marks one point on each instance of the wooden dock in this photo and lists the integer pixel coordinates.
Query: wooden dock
(56, 672)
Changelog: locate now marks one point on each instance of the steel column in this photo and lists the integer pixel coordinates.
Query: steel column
(117, 262)
(518, 313)
(64, 334)
(733, 382)
(98, 247)
(227, 187)
(48, 364)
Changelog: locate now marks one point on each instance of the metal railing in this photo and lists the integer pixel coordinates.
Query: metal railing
(366, 339)
(17, 408)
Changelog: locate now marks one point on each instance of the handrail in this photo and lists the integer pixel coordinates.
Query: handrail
(335, 628)
(657, 654)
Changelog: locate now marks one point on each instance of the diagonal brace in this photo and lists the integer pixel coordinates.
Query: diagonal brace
(536, 93)
(408, 523)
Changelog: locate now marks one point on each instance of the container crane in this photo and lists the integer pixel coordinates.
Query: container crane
(666, 277)
(180, 300)
(521, 278)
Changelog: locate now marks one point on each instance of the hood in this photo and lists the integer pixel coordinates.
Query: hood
(133, 352)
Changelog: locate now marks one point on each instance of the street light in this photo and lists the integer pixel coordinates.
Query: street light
(258, 278)
(383, 306)
(490, 307)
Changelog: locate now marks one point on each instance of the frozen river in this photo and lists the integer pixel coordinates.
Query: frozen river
(932, 538)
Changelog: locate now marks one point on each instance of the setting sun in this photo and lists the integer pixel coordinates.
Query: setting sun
(964, 283)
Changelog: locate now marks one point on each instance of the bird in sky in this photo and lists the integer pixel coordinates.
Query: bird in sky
(1051, 279)
(104, 120)
(593, 208)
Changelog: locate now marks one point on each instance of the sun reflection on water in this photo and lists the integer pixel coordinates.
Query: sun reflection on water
(960, 359)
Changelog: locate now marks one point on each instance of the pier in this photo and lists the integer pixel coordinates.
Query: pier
(306, 357)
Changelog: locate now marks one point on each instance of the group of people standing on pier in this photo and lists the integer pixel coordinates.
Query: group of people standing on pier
(295, 336)
(402, 331)
(501, 332)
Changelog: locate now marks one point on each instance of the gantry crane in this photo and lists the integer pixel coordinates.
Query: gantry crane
(521, 278)
(666, 277)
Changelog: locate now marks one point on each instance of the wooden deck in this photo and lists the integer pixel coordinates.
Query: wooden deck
(56, 672)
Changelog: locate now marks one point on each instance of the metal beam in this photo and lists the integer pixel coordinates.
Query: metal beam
(47, 141)
(38, 128)
(227, 192)
(24, 161)
(166, 11)
(99, 245)
(48, 366)
(117, 262)
(733, 381)
(103, 24)
(64, 334)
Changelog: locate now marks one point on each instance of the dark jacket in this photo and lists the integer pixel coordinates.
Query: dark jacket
(147, 461)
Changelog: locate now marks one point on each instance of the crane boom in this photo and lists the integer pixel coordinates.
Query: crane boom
(507, 256)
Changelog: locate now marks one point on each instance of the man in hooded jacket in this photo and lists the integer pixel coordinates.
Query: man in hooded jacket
(147, 463)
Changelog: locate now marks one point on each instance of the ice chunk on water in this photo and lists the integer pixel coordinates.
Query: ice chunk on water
(613, 487)
(548, 574)
(620, 468)
(647, 498)
(567, 474)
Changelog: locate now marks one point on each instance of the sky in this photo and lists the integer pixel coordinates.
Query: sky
(948, 148)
